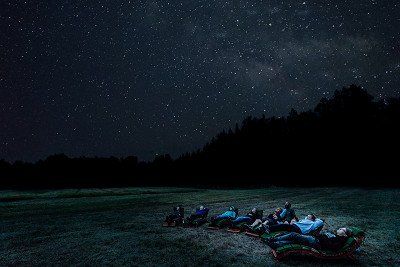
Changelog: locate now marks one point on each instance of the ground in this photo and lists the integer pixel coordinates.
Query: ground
(123, 226)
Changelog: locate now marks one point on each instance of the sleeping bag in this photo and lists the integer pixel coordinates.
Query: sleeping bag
(345, 252)
(225, 219)
(176, 218)
(198, 218)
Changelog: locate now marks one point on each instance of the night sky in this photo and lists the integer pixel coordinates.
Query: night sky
(118, 78)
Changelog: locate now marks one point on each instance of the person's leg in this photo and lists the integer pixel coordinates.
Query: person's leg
(191, 218)
(241, 219)
(285, 237)
(217, 219)
(270, 221)
(297, 238)
(220, 217)
(307, 240)
(256, 223)
(260, 228)
(237, 220)
(284, 227)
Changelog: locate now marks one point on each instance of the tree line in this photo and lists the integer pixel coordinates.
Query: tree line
(348, 140)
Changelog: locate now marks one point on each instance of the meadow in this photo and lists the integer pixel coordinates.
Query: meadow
(122, 226)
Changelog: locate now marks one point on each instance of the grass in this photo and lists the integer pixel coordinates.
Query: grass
(123, 226)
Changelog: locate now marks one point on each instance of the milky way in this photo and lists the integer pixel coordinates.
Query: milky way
(151, 77)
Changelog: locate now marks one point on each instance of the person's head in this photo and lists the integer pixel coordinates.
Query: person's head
(343, 232)
(278, 211)
(311, 217)
(287, 205)
(234, 209)
(254, 210)
(201, 207)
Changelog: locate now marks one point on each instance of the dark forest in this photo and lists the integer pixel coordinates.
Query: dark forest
(348, 140)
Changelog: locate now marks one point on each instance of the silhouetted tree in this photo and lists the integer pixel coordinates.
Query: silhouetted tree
(346, 140)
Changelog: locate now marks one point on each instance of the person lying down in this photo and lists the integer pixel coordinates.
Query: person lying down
(176, 217)
(323, 241)
(309, 225)
(198, 217)
(249, 218)
(279, 216)
(271, 219)
(228, 215)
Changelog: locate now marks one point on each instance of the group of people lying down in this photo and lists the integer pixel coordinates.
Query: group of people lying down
(307, 231)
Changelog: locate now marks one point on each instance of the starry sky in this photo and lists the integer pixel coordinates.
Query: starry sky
(119, 78)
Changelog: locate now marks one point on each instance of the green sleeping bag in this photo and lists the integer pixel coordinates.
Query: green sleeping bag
(220, 224)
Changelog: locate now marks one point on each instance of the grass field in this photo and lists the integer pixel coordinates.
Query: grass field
(123, 226)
